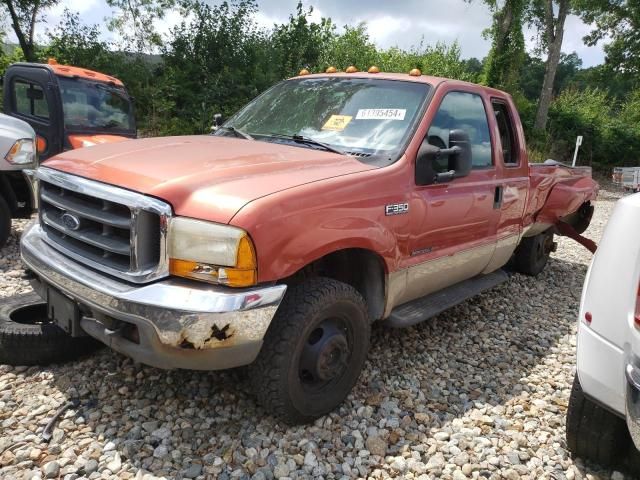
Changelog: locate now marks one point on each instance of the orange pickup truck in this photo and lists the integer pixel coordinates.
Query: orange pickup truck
(329, 202)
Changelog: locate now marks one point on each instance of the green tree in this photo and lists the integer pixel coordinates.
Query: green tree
(617, 22)
(551, 25)
(300, 42)
(24, 16)
(507, 54)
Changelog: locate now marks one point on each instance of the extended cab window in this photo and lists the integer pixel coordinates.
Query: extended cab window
(507, 134)
(464, 111)
(30, 100)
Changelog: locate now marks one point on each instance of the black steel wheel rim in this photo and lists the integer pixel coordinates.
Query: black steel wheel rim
(326, 354)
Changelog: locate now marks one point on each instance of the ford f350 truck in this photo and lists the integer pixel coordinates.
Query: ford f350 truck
(329, 202)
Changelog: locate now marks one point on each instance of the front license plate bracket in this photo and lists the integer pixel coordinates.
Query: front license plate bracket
(64, 312)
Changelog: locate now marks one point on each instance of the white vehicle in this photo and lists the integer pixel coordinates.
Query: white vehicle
(17, 153)
(603, 418)
(627, 177)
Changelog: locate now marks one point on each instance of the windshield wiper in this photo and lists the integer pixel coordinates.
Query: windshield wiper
(308, 141)
(237, 132)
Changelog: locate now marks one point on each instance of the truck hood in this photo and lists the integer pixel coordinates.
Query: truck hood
(206, 177)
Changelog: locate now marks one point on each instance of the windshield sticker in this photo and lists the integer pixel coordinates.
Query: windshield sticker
(381, 114)
(337, 123)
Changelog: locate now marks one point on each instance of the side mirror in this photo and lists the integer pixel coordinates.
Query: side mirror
(458, 161)
(217, 120)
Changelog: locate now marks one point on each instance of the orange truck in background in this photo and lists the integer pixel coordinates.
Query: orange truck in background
(68, 107)
(329, 202)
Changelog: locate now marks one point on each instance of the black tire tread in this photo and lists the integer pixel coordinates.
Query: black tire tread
(5, 221)
(593, 432)
(300, 301)
(24, 344)
(525, 256)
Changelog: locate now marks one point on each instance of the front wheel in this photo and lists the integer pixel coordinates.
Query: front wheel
(313, 351)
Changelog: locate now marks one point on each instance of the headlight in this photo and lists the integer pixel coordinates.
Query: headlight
(22, 152)
(212, 253)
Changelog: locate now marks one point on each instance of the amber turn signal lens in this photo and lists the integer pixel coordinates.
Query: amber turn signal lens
(246, 255)
(41, 144)
(231, 277)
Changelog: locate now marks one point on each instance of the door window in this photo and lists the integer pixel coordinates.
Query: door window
(462, 111)
(30, 100)
(507, 134)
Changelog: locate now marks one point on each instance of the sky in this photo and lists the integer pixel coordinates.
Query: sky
(401, 23)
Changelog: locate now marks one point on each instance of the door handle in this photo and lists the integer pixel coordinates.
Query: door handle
(498, 197)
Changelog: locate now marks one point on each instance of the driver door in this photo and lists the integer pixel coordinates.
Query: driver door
(454, 235)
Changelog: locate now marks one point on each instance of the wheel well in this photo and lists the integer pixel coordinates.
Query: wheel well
(362, 269)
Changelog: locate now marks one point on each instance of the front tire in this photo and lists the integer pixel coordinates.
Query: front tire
(594, 433)
(313, 352)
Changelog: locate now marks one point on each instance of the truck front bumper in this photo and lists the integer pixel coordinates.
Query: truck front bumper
(172, 323)
(632, 374)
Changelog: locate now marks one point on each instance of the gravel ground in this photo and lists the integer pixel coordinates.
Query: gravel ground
(481, 391)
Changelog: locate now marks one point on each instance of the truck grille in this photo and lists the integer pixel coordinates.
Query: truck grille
(113, 230)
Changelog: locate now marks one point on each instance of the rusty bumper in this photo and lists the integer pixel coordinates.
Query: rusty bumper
(172, 323)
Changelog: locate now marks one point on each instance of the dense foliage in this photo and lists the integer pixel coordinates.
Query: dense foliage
(218, 58)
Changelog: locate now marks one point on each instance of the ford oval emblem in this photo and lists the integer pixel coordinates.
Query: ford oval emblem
(70, 221)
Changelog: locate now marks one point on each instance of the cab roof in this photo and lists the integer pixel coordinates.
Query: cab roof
(70, 71)
(405, 77)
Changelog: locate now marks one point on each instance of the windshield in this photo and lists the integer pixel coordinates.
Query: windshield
(94, 105)
(359, 116)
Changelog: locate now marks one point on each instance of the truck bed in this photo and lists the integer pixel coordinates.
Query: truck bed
(557, 191)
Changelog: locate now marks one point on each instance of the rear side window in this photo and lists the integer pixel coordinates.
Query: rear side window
(507, 133)
(30, 100)
(464, 111)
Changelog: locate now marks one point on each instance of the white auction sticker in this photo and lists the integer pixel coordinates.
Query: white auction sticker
(381, 114)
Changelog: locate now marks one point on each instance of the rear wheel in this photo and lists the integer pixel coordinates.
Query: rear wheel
(532, 254)
(5, 221)
(594, 433)
(27, 336)
(313, 351)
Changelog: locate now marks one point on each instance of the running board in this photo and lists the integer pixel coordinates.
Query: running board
(423, 308)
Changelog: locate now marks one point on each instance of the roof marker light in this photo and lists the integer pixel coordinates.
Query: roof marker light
(351, 69)
(374, 69)
(304, 71)
(331, 70)
(415, 72)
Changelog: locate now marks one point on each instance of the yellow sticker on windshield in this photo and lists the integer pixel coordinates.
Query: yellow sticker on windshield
(337, 123)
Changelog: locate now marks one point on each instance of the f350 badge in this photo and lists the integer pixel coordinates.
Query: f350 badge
(396, 209)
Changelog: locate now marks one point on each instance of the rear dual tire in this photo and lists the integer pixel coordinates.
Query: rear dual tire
(532, 254)
(595, 433)
(313, 352)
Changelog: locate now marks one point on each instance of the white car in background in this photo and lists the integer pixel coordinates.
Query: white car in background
(603, 418)
(17, 156)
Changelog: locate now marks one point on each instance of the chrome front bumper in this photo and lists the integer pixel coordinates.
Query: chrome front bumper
(180, 323)
(632, 374)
